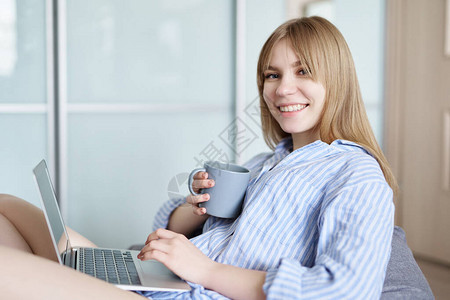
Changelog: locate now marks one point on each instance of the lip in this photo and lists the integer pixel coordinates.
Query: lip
(290, 108)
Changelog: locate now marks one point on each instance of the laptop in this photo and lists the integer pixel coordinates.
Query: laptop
(116, 266)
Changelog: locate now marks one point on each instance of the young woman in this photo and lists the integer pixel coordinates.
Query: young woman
(317, 219)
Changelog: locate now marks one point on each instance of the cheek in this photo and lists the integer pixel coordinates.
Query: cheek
(317, 93)
(268, 95)
(267, 98)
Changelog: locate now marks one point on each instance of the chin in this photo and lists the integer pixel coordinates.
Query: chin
(291, 129)
(288, 131)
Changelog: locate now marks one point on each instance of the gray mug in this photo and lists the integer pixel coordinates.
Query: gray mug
(227, 195)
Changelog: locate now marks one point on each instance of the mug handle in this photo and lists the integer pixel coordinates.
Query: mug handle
(191, 178)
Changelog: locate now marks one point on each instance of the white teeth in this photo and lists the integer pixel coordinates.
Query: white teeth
(295, 107)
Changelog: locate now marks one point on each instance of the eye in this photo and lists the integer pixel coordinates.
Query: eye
(271, 76)
(302, 71)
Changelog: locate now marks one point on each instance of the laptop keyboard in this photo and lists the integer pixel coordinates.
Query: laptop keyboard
(113, 266)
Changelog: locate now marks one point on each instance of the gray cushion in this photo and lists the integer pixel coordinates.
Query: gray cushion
(404, 279)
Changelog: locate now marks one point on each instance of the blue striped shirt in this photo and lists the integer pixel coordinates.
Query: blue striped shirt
(318, 220)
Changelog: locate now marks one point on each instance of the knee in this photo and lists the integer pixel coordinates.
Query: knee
(7, 197)
(7, 200)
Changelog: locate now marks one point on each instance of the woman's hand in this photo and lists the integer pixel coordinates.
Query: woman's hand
(178, 254)
(200, 181)
(188, 217)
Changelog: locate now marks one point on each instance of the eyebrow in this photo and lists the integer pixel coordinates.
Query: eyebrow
(293, 65)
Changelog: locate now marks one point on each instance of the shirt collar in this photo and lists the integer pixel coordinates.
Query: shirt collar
(284, 146)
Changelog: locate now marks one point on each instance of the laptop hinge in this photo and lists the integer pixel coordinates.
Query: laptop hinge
(69, 258)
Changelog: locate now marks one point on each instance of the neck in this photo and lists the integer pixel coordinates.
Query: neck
(300, 140)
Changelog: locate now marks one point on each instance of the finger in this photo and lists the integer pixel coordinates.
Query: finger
(155, 236)
(146, 252)
(160, 233)
(163, 233)
(160, 245)
(165, 244)
(156, 255)
(152, 236)
(201, 175)
(202, 183)
(195, 200)
(199, 211)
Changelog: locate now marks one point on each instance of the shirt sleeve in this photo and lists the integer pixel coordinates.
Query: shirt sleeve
(353, 249)
(162, 216)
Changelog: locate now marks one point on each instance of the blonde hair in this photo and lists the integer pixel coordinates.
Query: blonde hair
(322, 50)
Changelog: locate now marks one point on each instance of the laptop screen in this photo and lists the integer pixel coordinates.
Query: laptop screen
(51, 210)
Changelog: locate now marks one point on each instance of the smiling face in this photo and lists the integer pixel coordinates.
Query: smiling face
(293, 98)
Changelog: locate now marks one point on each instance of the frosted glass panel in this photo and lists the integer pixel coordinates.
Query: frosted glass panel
(366, 42)
(22, 51)
(263, 16)
(120, 167)
(21, 149)
(178, 51)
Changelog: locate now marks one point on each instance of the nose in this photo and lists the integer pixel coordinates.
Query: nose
(287, 87)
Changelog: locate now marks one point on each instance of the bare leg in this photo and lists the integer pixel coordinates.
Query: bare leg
(23, 227)
(11, 237)
(24, 275)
